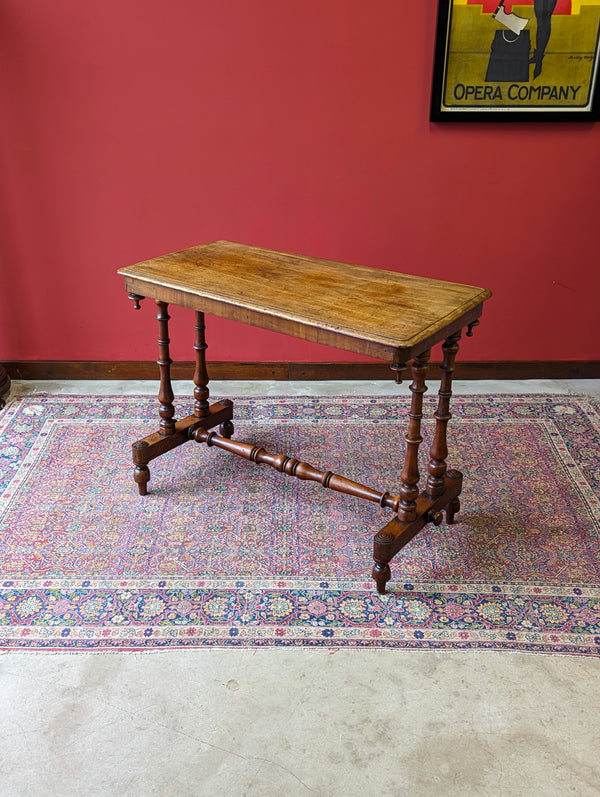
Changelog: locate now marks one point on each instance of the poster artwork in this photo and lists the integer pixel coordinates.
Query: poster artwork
(527, 56)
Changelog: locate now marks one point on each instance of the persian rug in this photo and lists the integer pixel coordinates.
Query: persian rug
(224, 552)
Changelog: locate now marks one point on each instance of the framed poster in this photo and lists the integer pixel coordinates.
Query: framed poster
(531, 60)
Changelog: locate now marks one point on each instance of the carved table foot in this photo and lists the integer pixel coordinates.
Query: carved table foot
(156, 444)
(141, 474)
(397, 533)
(226, 429)
(382, 553)
(451, 510)
(453, 507)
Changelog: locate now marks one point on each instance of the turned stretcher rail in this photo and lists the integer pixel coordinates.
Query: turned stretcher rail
(293, 467)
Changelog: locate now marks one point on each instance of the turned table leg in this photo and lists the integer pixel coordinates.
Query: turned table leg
(201, 391)
(385, 542)
(439, 447)
(165, 394)
(409, 477)
(166, 427)
(172, 433)
(443, 487)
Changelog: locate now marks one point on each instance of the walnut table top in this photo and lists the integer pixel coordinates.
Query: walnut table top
(365, 310)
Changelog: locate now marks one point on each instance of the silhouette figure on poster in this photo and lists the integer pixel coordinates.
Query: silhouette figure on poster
(509, 54)
(543, 13)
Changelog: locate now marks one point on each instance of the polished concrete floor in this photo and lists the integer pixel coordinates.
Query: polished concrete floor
(299, 722)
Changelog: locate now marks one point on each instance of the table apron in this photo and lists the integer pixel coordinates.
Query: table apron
(303, 329)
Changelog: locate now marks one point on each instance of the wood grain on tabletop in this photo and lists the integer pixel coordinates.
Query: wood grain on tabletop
(363, 309)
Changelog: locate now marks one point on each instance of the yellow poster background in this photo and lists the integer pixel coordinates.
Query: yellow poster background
(570, 60)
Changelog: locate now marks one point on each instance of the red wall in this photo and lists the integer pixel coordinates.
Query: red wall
(130, 129)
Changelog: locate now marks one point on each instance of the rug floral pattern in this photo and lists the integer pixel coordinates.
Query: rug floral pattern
(224, 552)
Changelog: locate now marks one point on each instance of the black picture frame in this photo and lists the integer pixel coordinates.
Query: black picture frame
(471, 83)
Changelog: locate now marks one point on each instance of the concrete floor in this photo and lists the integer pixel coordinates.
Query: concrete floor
(296, 722)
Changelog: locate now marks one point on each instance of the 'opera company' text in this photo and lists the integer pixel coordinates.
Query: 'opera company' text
(516, 92)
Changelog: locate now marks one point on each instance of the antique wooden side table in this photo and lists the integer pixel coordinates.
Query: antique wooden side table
(383, 314)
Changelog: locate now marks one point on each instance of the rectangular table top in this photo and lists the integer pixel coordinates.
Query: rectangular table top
(384, 314)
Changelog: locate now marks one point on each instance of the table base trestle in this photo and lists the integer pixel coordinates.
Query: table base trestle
(413, 508)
